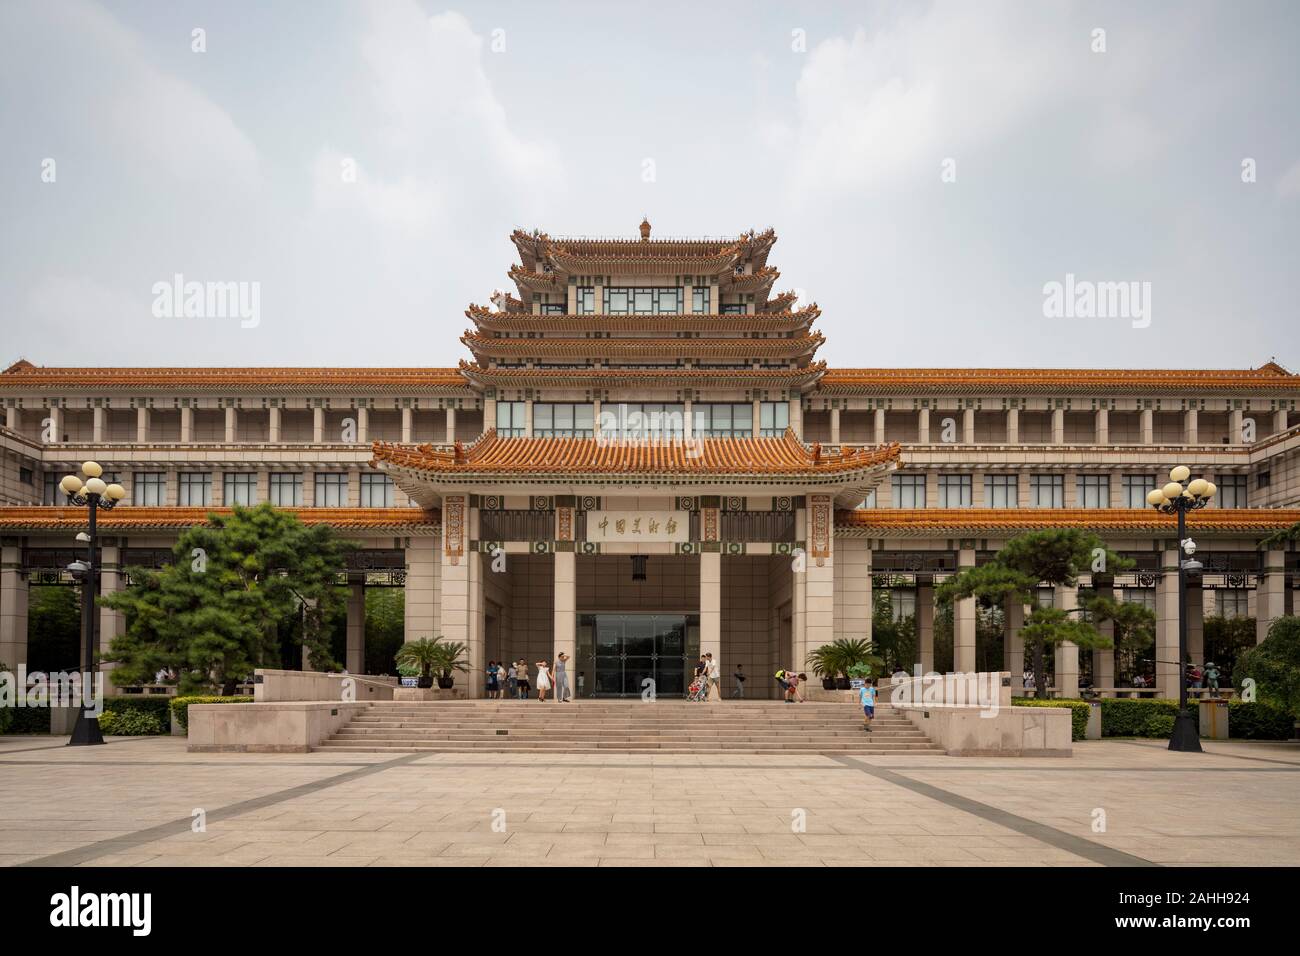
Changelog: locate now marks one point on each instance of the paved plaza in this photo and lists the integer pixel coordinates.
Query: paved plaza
(132, 802)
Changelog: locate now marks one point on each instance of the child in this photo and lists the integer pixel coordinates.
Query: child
(867, 696)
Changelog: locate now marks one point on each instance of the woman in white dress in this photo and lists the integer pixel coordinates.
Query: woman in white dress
(543, 679)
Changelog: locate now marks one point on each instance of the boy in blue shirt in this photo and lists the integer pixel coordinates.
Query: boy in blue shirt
(867, 697)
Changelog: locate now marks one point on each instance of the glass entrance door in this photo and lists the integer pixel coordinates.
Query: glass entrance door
(629, 651)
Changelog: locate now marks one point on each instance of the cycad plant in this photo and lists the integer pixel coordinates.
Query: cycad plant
(434, 656)
(843, 655)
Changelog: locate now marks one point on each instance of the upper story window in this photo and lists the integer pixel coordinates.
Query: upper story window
(552, 308)
(1232, 602)
(331, 489)
(194, 489)
(285, 489)
(773, 419)
(150, 489)
(1143, 597)
(908, 491)
(584, 301)
(1232, 491)
(954, 491)
(701, 299)
(656, 300)
(563, 420)
(239, 488)
(733, 308)
(1094, 491)
(643, 421)
(511, 419)
(1136, 488)
(1047, 491)
(377, 490)
(1001, 491)
(51, 493)
(722, 420)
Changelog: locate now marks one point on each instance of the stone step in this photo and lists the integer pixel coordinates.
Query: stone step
(865, 748)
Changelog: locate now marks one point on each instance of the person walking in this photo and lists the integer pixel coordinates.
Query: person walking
(512, 680)
(493, 682)
(867, 697)
(543, 680)
(713, 672)
(739, 678)
(521, 675)
(562, 694)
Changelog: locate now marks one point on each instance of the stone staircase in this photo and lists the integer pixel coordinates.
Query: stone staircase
(626, 726)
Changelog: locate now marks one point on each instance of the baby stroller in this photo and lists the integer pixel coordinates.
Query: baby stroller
(699, 689)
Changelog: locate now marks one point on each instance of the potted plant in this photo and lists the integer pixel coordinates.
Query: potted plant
(834, 662)
(434, 656)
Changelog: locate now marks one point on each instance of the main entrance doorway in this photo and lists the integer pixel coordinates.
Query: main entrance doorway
(619, 653)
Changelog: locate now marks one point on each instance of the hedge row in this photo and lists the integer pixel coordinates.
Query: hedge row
(180, 706)
(1147, 717)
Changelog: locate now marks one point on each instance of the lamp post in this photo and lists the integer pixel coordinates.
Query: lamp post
(95, 495)
(1178, 498)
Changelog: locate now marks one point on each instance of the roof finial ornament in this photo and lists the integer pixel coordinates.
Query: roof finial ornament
(645, 229)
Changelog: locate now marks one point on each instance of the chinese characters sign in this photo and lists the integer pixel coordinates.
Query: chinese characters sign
(638, 525)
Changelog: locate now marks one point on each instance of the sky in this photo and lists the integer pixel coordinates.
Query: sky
(931, 170)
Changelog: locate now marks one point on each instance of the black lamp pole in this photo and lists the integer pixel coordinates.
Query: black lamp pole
(1196, 495)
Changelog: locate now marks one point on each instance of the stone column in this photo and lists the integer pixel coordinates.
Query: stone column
(711, 606)
(363, 425)
(11, 419)
(406, 426)
(97, 426)
(273, 424)
(187, 424)
(1269, 597)
(963, 622)
(566, 613)
(968, 426)
(1101, 427)
(796, 417)
(1058, 426)
(1195, 611)
(1013, 647)
(451, 425)
(423, 605)
(13, 607)
(318, 425)
(1013, 426)
(923, 426)
(461, 585)
(1279, 420)
(489, 413)
(142, 425)
(1067, 652)
(757, 418)
(1234, 427)
(688, 425)
(835, 426)
(232, 424)
(925, 626)
(1166, 650)
(1145, 417)
(356, 649)
(55, 417)
(1103, 659)
(111, 623)
(880, 426)
(1190, 432)
(528, 418)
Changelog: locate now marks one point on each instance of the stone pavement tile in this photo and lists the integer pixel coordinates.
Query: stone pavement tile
(617, 827)
(119, 859)
(610, 861)
(442, 837)
(522, 837)
(679, 851)
(560, 852)
(542, 862)
(317, 861)
(654, 839)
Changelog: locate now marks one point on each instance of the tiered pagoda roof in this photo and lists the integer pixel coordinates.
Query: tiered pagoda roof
(797, 350)
(24, 376)
(617, 376)
(787, 321)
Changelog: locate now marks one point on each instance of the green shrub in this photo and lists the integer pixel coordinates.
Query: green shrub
(1131, 716)
(1259, 721)
(1159, 725)
(1078, 712)
(25, 720)
(128, 722)
(152, 706)
(180, 706)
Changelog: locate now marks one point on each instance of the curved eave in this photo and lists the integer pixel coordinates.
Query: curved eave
(673, 378)
(632, 264)
(761, 280)
(221, 380)
(782, 321)
(1087, 381)
(1004, 522)
(401, 521)
(622, 348)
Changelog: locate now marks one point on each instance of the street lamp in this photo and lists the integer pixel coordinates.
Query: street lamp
(1177, 498)
(95, 495)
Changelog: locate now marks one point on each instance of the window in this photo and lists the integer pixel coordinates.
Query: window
(1001, 491)
(651, 301)
(194, 489)
(701, 300)
(51, 493)
(563, 420)
(331, 489)
(1047, 491)
(722, 421)
(773, 419)
(1232, 602)
(1232, 491)
(902, 603)
(377, 490)
(149, 489)
(285, 489)
(239, 488)
(733, 308)
(1094, 491)
(1145, 597)
(643, 421)
(510, 419)
(552, 309)
(585, 300)
(870, 500)
(1262, 480)
(26, 476)
(908, 490)
(1046, 597)
(1136, 489)
(954, 491)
